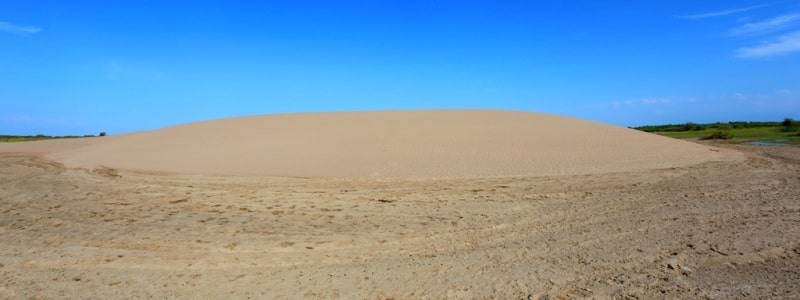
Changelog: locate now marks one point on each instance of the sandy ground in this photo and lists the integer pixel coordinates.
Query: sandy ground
(719, 229)
(398, 204)
(380, 145)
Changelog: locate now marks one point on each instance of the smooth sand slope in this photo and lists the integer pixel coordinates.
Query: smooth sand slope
(385, 144)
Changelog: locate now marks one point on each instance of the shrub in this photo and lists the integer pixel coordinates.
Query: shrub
(722, 133)
(103, 133)
(789, 125)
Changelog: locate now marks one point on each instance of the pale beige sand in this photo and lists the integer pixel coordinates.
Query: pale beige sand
(386, 144)
(575, 209)
(714, 230)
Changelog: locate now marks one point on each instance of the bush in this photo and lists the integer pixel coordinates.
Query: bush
(789, 125)
(103, 133)
(722, 133)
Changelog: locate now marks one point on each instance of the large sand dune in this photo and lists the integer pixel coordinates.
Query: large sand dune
(388, 144)
(654, 218)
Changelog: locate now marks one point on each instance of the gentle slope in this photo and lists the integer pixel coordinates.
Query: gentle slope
(386, 144)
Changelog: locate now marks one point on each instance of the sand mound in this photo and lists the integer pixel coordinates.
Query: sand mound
(389, 144)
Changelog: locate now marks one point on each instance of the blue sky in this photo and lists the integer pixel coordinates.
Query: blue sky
(81, 67)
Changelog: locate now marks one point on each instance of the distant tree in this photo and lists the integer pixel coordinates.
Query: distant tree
(788, 122)
(103, 133)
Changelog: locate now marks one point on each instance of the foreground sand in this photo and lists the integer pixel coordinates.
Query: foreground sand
(719, 229)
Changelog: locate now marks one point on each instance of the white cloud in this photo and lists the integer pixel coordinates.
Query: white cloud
(642, 101)
(720, 13)
(118, 70)
(15, 29)
(776, 96)
(777, 23)
(651, 101)
(18, 119)
(784, 44)
(732, 106)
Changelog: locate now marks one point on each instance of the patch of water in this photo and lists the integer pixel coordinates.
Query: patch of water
(770, 143)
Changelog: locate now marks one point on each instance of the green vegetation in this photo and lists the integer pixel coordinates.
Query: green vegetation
(39, 137)
(721, 133)
(786, 132)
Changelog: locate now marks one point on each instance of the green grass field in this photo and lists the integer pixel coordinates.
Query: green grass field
(40, 137)
(741, 132)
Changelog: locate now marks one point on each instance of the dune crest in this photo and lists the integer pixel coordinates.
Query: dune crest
(390, 144)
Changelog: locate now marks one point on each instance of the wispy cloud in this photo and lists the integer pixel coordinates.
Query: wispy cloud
(15, 29)
(732, 106)
(119, 70)
(720, 13)
(651, 101)
(784, 44)
(18, 119)
(777, 97)
(767, 26)
(643, 101)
